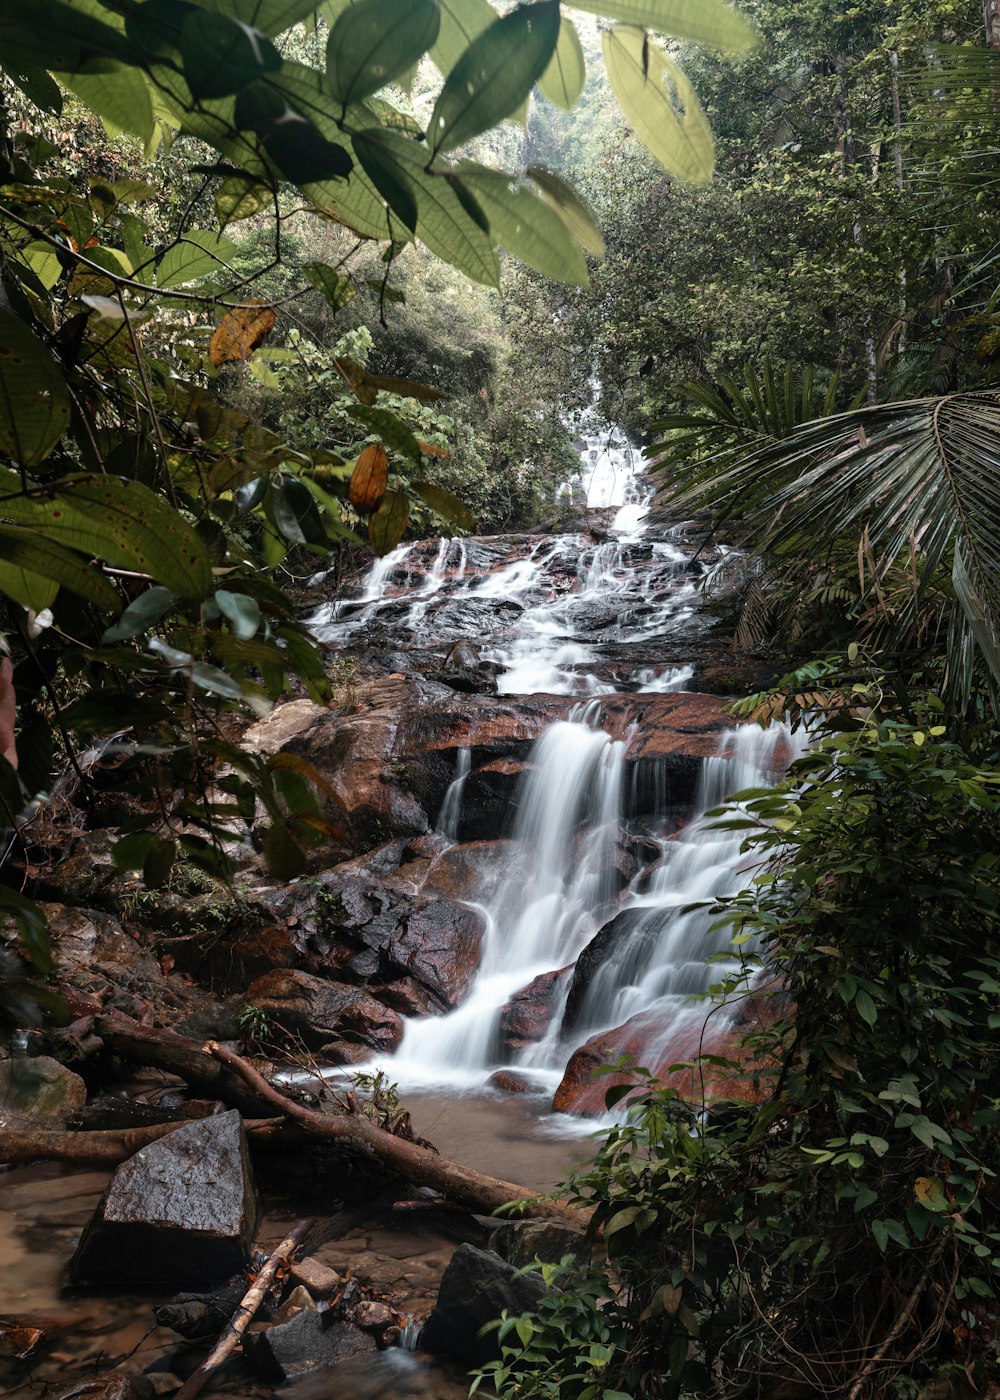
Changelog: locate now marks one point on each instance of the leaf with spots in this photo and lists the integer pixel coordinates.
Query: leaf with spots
(34, 403)
(125, 524)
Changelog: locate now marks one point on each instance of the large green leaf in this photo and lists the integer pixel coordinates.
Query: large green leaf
(28, 555)
(448, 218)
(494, 75)
(270, 16)
(115, 92)
(710, 22)
(122, 522)
(56, 36)
(375, 41)
(390, 428)
(461, 22)
(221, 55)
(36, 85)
(196, 254)
(449, 507)
(660, 103)
(387, 525)
(563, 80)
(525, 225)
(34, 402)
(299, 145)
(570, 208)
(336, 287)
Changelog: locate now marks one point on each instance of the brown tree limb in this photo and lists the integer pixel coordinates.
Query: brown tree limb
(244, 1314)
(473, 1189)
(106, 1148)
(903, 1320)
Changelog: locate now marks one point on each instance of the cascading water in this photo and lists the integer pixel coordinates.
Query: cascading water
(563, 888)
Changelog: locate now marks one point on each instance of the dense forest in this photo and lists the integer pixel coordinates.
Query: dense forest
(286, 287)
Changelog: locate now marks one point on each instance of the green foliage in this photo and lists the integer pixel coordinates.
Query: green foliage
(848, 1194)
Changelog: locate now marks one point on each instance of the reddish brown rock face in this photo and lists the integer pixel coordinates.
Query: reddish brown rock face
(326, 1014)
(581, 1093)
(525, 1019)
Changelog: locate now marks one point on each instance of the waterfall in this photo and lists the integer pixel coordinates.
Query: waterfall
(562, 888)
(559, 889)
(451, 808)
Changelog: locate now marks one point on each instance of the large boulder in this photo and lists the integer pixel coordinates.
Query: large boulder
(39, 1091)
(305, 1344)
(341, 1021)
(183, 1210)
(476, 1288)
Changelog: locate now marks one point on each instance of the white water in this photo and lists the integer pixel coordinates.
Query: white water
(561, 888)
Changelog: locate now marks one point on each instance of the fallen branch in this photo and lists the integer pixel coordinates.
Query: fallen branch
(244, 1314)
(473, 1189)
(108, 1147)
(900, 1325)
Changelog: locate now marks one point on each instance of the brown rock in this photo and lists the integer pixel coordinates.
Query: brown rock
(507, 1082)
(320, 1280)
(39, 1091)
(324, 1013)
(374, 1317)
(525, 1019)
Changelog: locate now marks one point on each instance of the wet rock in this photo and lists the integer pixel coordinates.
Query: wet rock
(618, 951)
(358, 925)
(291, 1349)
(298, 1301)
(506, 1082)
(182, 1210)
(320, 1280)
(111, 1387)
(325, 1014)
(522, 1242)
(477, 1286)
(374, 1317)
(525, 1019)
(201, 1314)
(18, 1339)
(39, 1091)
(394, 1374)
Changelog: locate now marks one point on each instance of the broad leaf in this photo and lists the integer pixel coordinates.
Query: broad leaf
(270, 16)
(449, 507)
(570, 208)
(336, 286)
(240, 331)
(27, 555)
(448, 218)
(34, 403)
(375, 41)
(391, 430)
(526, 226)
(140, 614)
(494, 75)
(661, 104)
(563, 80)
(196, 254)
(388, 525)
(222, 55)
(118, 94)
(710, 22)
(124, 523)
(461, 22)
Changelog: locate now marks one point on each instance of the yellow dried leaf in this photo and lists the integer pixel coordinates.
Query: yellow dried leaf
(240, 331)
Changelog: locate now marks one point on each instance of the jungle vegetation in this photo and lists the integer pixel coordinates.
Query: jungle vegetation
(280, 279)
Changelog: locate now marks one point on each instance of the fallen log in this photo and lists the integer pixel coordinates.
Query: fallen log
(474, 1189)
(244, 1314)
(108, 1147)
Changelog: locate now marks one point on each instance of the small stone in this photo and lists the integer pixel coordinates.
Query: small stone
(299, 1300)
(320, 1280)
(18, 1339)
(508, 1083)
(373, 1317)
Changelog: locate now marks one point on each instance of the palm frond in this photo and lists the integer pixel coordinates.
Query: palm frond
(920, 481)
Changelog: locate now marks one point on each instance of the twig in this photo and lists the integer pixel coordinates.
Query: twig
(244, 1314)
(902, 1321)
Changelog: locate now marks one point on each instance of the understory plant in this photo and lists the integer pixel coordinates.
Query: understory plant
(832, 1227)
